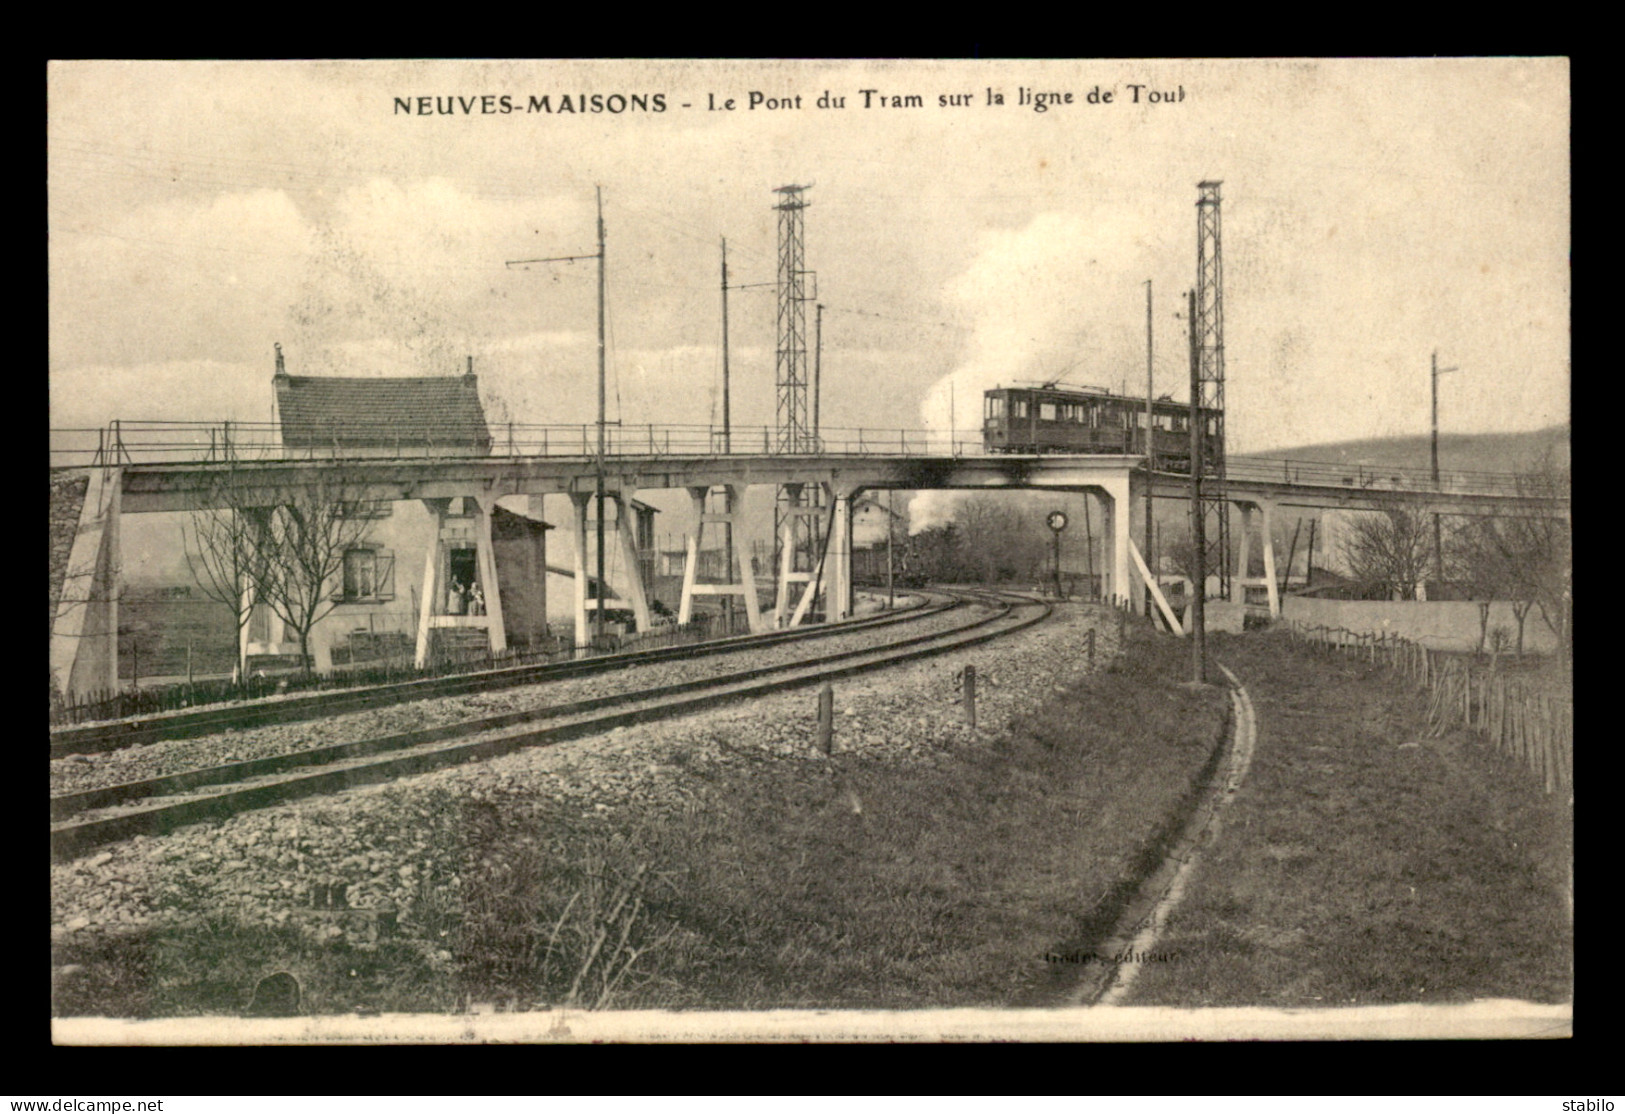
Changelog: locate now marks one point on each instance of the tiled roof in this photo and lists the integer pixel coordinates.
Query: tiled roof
(441, 412)
(505, 523)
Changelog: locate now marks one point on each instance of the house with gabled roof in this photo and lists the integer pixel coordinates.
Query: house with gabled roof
(424, 577)
(331, 415)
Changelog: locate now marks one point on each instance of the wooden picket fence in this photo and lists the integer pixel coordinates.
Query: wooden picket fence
(1529, 727)
(118, 704)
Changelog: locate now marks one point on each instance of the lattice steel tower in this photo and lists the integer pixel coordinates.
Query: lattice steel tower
(1210, 375)
(795, 434)
(797, 509)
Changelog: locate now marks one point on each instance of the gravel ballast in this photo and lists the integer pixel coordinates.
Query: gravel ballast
(79, 772)
(397, 845)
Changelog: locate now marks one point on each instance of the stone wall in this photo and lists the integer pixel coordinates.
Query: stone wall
(67, 497)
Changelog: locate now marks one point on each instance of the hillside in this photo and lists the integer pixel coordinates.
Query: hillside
(1466, 452)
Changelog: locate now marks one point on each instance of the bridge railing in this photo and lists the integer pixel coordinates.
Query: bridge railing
(1365, 477)
(166, 442)
(174, 442)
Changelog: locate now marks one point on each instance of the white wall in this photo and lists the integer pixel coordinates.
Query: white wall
(1443, 624)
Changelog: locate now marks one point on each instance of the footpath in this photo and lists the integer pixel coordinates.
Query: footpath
(1365, 861)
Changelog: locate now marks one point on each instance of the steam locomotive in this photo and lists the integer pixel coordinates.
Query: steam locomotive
(1054, 418)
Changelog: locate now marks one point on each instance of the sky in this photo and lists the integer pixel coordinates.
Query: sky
(1374, 212)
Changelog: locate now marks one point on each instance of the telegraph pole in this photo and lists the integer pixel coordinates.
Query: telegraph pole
(727, 447)
(727, 432)
(598, 620)
(818, 370)
(1198, 525)
(1150, 456)
(1088, 543)
(891, 528)
(1438, 540)
(598, 625)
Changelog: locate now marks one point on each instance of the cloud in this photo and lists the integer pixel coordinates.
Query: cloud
(1047, 301)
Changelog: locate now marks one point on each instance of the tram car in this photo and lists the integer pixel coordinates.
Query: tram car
(1055, 418)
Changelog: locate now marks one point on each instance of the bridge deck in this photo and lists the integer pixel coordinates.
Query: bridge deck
(165, 462)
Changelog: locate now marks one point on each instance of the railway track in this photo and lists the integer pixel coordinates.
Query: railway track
(119, 734)
(88, 818)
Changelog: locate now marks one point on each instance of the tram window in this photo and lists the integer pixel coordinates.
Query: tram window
(1018, 408)
(1212, 427)
(995, 406)
(1180, 423)
(1046, 411)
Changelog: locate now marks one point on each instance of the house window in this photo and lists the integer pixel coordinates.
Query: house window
(369, 574)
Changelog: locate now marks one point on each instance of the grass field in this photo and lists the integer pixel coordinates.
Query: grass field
(156, 633)
(1366, 863)
(958, 877)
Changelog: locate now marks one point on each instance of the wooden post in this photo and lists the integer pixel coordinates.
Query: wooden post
(826, 719)
(970, 696)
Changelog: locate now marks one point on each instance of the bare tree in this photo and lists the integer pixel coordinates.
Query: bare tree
(224, 554)
(1524, 557)
(1389, 550)
(1476, 562)
(303, 541)
(1004, 542)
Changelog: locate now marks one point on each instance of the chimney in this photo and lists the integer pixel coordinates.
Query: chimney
(471, 367)
(280, 370)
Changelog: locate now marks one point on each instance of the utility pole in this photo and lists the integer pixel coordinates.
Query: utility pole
(1438, 539)
(727, 447)
(598, 620)
(1150, 459)
(818, 370)
(727, 432)
(1198, 525)
(598, 625)
(891, 528)
(1309, 559)
(1290, 553)
(1089, 543)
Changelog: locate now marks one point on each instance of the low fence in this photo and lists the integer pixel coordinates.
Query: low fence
(1529, 727)
(110, 704)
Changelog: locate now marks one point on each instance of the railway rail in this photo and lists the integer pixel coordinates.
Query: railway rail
(117, 734)
(87, 818)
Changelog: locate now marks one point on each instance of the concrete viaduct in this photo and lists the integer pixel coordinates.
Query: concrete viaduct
(84, 642)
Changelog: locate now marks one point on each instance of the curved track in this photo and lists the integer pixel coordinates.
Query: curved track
(85, 819)
(122, 733)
